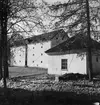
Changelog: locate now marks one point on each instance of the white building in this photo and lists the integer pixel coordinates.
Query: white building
(35, 47)
(71, 56)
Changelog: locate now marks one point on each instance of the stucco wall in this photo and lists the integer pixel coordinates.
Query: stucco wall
(37, 56)
(75, 64)
(18, 56)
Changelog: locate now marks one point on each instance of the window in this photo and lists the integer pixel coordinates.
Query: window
(41, 46)
(41, 61)
(41, 54)
(64, 64)
(96, 59)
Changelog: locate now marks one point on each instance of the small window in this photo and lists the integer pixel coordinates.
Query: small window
(96, 59)
(33, 47)
(64, 64)
(41, 46)
(33, 54)
(33, 61)
(62, 38)
(19, 61)
(41, 54)
(41, 61)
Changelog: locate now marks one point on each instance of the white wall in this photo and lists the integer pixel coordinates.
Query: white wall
(96, 64)
(37, 56)
(75, 64)
(18, 57)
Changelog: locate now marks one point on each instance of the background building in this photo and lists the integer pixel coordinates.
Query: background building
(35, 47)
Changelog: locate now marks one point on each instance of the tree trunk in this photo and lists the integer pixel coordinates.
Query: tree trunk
(0, 58)
(26, 55)
(1, 74)
(4, 14)
(90, 69)
(9, 54)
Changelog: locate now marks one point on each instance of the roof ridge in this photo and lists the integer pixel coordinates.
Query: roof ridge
(42, 37)
(45, 33)
(79, 43)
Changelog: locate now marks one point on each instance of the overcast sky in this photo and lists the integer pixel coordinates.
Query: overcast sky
(53, 1)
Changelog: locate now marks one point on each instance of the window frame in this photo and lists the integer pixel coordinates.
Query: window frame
(64, 64)
(97, 59)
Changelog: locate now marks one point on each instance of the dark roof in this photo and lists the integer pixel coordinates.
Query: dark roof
(74, 43)
(41, 38)
(46, 36)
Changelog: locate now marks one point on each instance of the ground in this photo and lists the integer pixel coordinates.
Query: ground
(22, 71)
(42, 88)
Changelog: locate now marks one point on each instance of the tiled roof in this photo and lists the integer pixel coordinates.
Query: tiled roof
(42, 38)
(74, 43)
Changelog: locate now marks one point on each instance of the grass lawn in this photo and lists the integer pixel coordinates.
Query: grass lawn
(42, 89)
(22, 71)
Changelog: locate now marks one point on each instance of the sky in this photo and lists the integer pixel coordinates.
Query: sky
(53, 1)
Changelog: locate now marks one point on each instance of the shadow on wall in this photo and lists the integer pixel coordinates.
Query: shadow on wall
(25, 97)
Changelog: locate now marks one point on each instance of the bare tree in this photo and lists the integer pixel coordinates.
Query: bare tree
(3, 25)
(25, 16)
(81, 18)
(17, 17)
